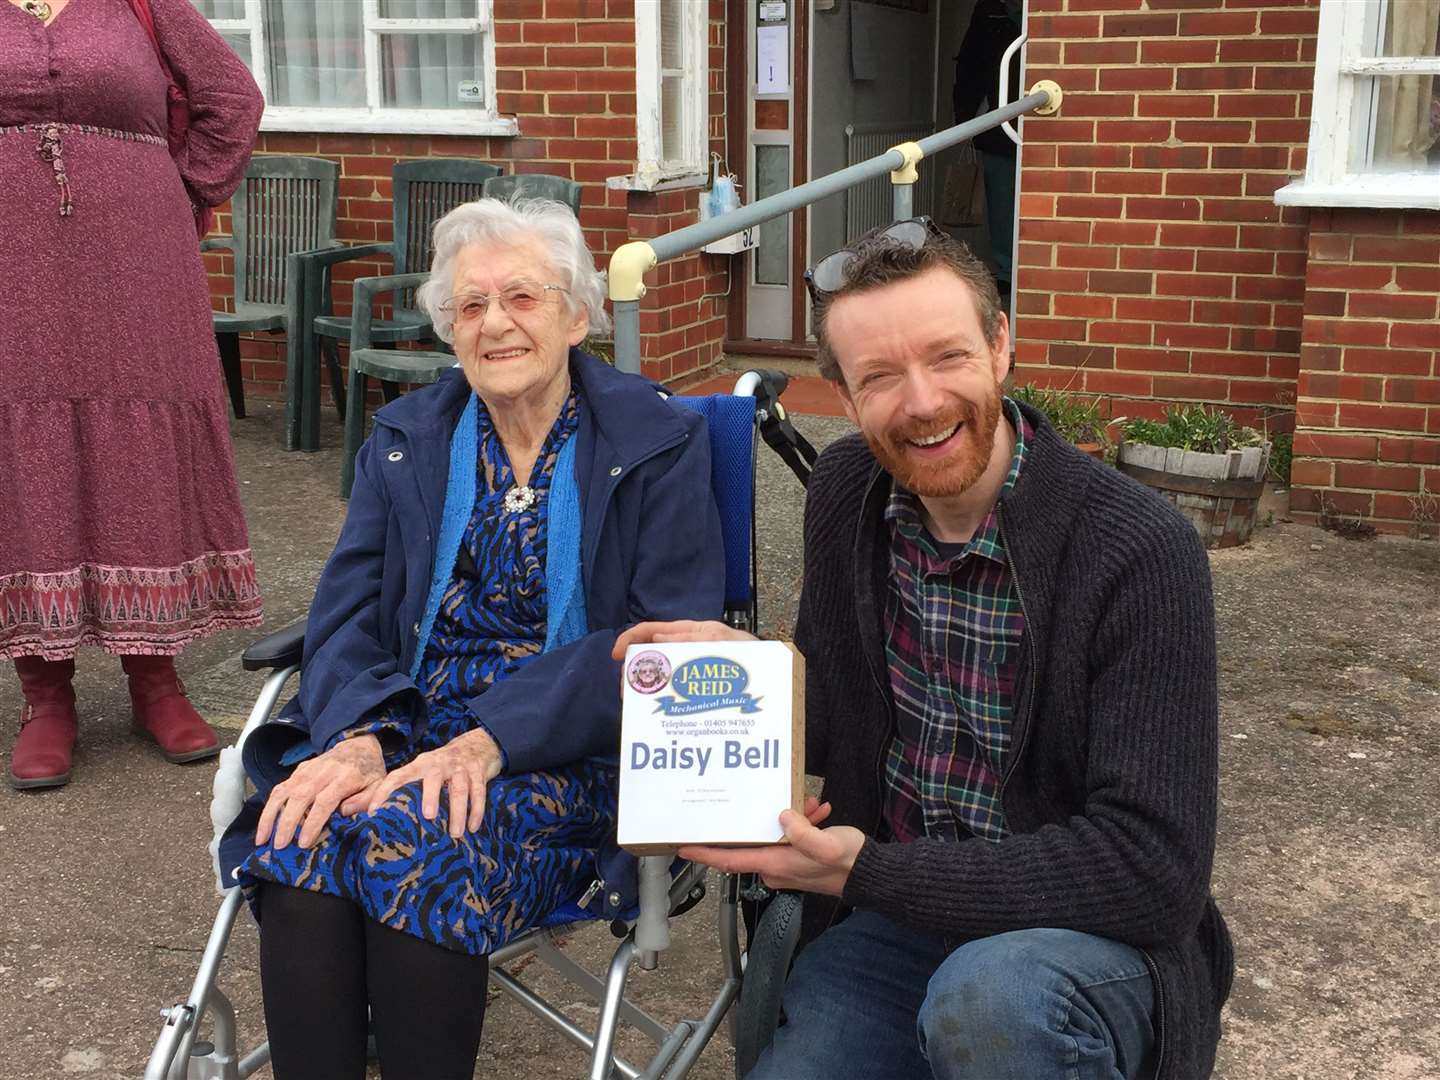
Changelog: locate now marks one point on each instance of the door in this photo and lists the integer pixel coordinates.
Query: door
(770, 162)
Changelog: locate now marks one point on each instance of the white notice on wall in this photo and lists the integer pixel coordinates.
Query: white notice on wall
(711, 747)
(772, 60)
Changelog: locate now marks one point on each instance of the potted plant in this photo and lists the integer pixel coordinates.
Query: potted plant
(1079, 420)
(1205, 463)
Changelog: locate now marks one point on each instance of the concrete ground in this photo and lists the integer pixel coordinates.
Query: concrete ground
(1328, 864)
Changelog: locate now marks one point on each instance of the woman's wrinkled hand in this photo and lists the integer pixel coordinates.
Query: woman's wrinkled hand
(462, 768)
(646, 633)
(316, 789)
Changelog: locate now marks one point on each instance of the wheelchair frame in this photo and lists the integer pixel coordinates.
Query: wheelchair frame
(179, 1055)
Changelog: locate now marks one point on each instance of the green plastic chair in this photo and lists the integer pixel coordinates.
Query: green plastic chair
(536, 186)
(423, 191)
(284, 205)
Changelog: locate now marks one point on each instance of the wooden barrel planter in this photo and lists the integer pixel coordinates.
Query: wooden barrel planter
(1218, 493)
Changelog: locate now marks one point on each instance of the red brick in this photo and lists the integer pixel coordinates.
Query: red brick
(1299, 77)
(1343, 387)
(1062, 231)
(1392, 305)
(1213, 131)
(1204, 183)
(1217, 24)
(1124, 232)
(1059, 180)
(1188, 235)
(1085, 307)
(1054, 329)
(1311, 473)
(1131, 131)
(1321, 275)
(1297, 22)
(1235, 262)
(1179, 51)
(1413, 391)
(1226, 363)
(1171, 157)
(1192, 336)
(1402, 249)
(588, 56)
(1117, 382)
(1415, 335)
(1385, 477)
(1152, 310)
(1129, 182)
(1048, 129)
(1161, 258)
(1387, 361)
(1190, 388)
(1088, 206)
(1321, 444)
(1083, 105)
(1264, 50)
(1091, 157)
(1381, 417)
(1232, 313)
(1418, 278)
(1314, 414)
(1218, 77)
(1405, 451)
(1194, 285)
(547, 30)
(1152, 360)
(1086, 53)
(1176, 105)
(1120, 333)
(1120, 281)
(1136, 78)
(1066, 354)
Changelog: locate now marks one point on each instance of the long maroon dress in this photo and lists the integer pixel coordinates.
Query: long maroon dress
(120, 520)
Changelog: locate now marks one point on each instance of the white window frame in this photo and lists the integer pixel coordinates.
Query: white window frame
(652, 171)
(375, 117)
(1341, 61)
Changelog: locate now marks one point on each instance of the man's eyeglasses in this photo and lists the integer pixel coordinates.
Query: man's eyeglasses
(828, 275)
(517, 299)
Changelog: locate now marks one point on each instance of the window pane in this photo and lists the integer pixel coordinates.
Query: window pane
(772, 257)
(431, 71)
(429, 9)
(1404, 124)
(672, 117)
(672, 41)
(317, 53)
(241, 44)
(221, 9)
(1411, 29)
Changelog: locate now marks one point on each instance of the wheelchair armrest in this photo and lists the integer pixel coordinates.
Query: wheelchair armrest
(366, 289)
(281, 649)
(211, 243)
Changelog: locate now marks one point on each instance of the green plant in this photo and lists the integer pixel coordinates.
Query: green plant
(1077, 419)
(600, 348)
(1282, 451)
(1191, 427)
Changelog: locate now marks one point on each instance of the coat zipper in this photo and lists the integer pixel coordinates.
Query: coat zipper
(1025, 714)
(1160, 1024)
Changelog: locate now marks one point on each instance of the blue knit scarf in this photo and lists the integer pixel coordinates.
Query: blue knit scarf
(566, 618)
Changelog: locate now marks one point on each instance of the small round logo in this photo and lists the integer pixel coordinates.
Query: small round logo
(649, 672)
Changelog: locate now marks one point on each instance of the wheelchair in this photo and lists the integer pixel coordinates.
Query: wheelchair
(737, 422)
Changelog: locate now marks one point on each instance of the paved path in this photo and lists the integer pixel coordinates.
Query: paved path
(1328, 861)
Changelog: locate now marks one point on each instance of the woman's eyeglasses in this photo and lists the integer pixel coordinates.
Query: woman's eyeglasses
(828, 275)
(517, 299)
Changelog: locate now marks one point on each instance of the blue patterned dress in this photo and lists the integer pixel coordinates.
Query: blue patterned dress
(535, 850)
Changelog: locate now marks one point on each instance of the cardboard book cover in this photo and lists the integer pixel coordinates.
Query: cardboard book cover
(712, 743)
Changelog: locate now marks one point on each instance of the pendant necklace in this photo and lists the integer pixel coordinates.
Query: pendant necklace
(39, 8)
(519, 498)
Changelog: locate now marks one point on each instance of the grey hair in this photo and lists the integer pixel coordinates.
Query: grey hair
(502, 221)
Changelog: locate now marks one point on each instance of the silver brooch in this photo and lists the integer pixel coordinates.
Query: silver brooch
(519, 499)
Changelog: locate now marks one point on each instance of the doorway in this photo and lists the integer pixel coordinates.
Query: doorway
(854, 78)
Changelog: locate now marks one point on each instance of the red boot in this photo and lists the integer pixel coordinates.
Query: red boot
(48, 723)
(160, 709)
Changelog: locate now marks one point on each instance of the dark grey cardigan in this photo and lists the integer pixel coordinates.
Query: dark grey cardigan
(1109, 786)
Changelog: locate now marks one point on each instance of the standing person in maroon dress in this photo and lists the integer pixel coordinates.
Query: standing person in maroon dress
(120, 521)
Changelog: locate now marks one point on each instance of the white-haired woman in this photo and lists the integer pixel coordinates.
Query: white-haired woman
(444, 779)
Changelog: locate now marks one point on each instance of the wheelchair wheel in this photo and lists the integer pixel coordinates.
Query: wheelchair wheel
(767, 964)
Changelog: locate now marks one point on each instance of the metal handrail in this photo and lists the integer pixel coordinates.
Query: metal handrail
(631, 261)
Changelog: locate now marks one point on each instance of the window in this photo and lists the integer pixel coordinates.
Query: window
(368, 65)
(1375, 127)
(672, 65)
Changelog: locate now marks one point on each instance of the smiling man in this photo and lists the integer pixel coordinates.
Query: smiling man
(1011, 696)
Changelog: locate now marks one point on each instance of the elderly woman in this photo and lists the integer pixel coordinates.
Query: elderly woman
(459, 709)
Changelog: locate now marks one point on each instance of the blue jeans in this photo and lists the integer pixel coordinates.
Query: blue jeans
(872, 999)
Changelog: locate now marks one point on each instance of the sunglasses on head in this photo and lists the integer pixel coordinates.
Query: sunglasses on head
(828, 275)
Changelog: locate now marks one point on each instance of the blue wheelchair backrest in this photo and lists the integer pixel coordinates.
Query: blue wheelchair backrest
(731, 421)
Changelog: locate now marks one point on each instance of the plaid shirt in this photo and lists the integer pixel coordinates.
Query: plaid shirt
(953, 626)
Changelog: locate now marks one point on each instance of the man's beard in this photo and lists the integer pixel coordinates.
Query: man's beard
(961, 467)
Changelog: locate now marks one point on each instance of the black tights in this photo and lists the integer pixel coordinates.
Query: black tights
(322, 962)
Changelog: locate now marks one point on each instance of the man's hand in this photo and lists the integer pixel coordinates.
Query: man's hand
(815, 860)
(463, 767)
(317, 787)
(681, 630)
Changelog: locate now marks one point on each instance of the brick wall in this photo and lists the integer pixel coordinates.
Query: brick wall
(1155, 266)
(1367, 437)
(566, 70)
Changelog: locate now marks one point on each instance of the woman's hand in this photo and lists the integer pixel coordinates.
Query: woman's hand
(463, 767)
(317, 787)
(681, 630)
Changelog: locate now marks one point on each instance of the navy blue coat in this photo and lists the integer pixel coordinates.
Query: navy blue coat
(650, 549)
